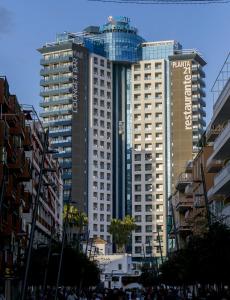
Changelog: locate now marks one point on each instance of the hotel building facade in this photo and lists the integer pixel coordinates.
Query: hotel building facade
(118, 109)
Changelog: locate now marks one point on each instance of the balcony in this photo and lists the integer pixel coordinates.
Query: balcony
(27, 141)
(52, 60)
(26, 174)
(183, 180)
(57, 112)
(221, 184)
(213, 165)
(52, 102)
(183, 204)
(18, 161)
(184, 228)
(56, 70)
(55, 92)
(213, 131)
(62, 79)
(222, 144)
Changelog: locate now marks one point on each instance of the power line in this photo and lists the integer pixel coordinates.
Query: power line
(163, 1)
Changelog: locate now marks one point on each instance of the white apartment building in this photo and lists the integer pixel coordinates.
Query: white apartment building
(148, 158)
(100, 147)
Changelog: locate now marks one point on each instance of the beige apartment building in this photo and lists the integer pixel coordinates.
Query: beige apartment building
(167, 123)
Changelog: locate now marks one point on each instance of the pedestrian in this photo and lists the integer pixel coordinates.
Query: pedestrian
(72, 296)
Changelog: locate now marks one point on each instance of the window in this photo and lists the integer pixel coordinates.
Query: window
(138, 177)
(148, 177)
(137, 167)
(148, 167)
(138, 250)
(138, 218)
(137, 208)
(119, 266)
(138, 239)
(148, 228)
(138, 198)
(148, 208)
(148, 156)
(137, 187)
(148, 239)
(148, 218)
(148, 187)
(148, 197)
(137, 157)
(138, 229)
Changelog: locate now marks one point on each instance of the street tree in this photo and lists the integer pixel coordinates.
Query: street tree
(121, 231)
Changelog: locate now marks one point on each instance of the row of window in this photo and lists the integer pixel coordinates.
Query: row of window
(150, 208)
(101, 217)
(149, 228)
(148, 66)
(102, 123)
(148, 197)
(97, 92)
(101, 82)
(158, 105)
(96, 185)
(102, 155)
(148, 177)
(147, 96)
(148, 116)
(148, 126)
(148, 136)
(102, 62)
(102, 207)
(101, 72)
(102, 114)
(100, 227)
(101, 196)
(96, 102)
(101, 144)
(147, 167)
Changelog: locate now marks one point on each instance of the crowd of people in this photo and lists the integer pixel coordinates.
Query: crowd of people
(158, 293)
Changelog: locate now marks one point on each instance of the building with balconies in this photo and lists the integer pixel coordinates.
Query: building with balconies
(218, 133)
(49, 218)
(15, 170)
(21, 148)
(125, 115)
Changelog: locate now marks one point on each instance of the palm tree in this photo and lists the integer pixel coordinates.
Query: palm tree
(121, 230)
(74, 220)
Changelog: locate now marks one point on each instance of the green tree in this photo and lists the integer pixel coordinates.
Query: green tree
(74, 222)
(120, 231)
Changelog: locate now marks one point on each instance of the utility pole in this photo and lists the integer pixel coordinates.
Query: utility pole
(174, 224)
(205, 195)
(62, 247)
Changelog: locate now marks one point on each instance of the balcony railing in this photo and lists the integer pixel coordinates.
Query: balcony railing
(183, 180)
(222, 174)
(222, 136)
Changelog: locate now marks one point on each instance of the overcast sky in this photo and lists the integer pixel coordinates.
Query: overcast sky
(25, 25)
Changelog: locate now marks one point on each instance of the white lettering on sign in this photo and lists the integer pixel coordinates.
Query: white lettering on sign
(75, 92)
(187, 72)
